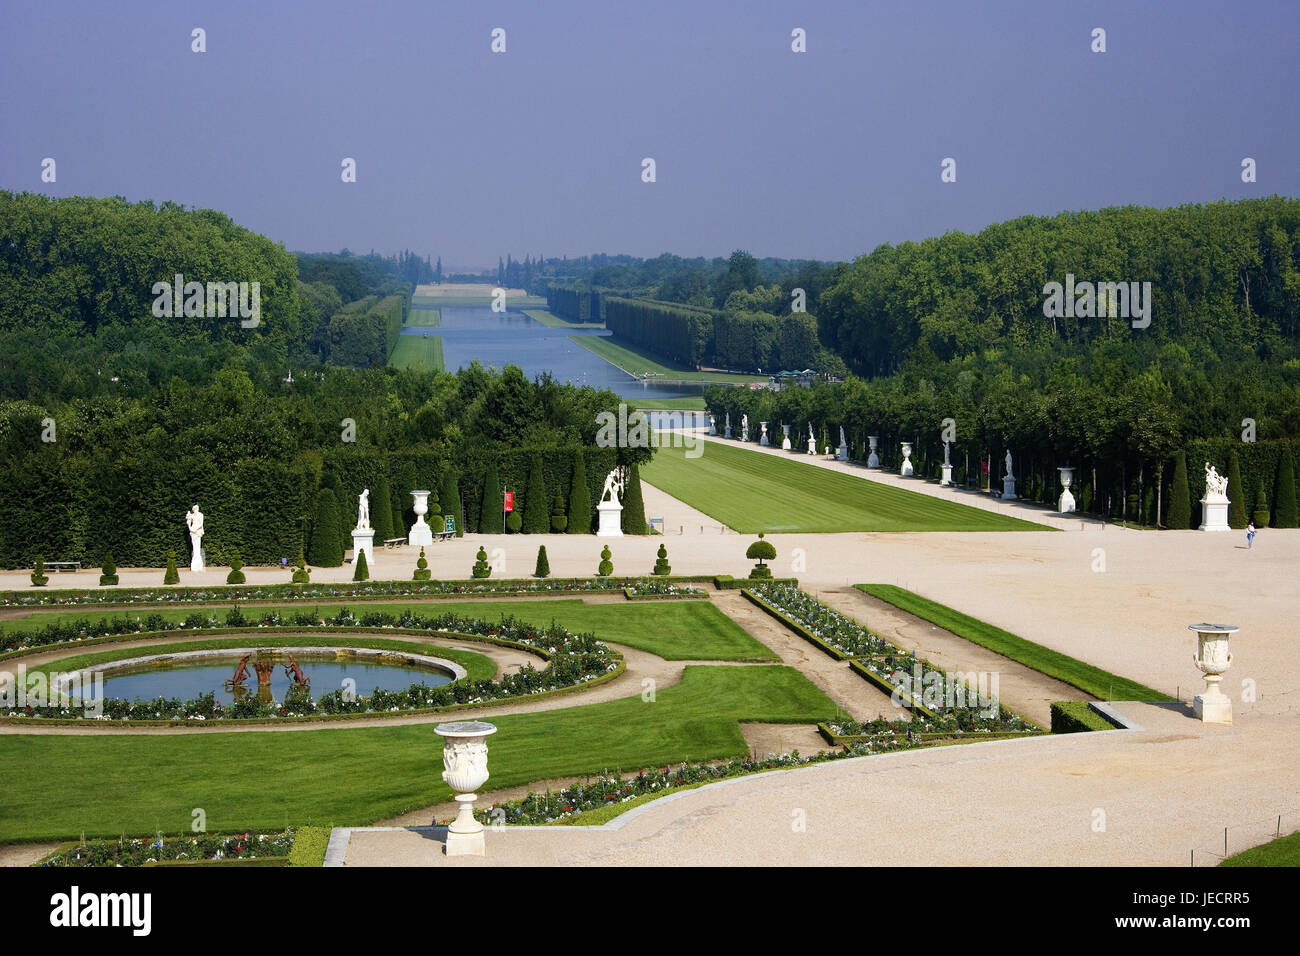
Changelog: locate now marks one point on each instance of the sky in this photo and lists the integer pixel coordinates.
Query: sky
(469, 155)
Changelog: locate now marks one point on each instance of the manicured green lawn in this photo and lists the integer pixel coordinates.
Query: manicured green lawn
(418, 352)
(751, 492)
(675, 630)
(1284, 851)
(554, 321)
(423, 318)
(517, 302)
(1101, 684)
(110, 785)
(639, 362)
(477, 666)
(690, 402)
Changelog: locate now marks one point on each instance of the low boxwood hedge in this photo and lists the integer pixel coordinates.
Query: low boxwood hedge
(1077, 716)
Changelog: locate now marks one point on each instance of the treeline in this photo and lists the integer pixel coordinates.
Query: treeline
(731, 338)
(365, 332)
(112, 472)
(576, 305)
(1225, 281)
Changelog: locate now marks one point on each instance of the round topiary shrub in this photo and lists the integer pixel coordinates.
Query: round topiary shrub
(543, 568)
(661, 562)
(300, 573)
(108, 574)
(481, 567)
(762, 551)
(514, 523)
(39, 577)
(170, 576)
(421, 568)
(361, 572)
(236, 575)
(606, 567)
(559, 519)
(1260, 516)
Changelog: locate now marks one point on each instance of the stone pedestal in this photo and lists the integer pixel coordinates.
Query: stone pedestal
(1008, 487)
(907, 471)
(873, 460)
(1214, 513)
(1066, 505)
(421, 534)
(763, 439)
(842, 453)
(196, 561)
(727, 433)
(363, 540)
(1212, 659)
(611, 519)
(713, 425)
(785, 441)
(945, 480)
(464, 759)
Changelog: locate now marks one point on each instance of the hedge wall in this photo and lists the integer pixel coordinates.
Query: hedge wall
(575, 305)
(680, 333)
(364, 333)
(1259, 463)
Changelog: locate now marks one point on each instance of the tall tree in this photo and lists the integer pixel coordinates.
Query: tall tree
(326, 539)
(633, 504)
(537, 518)
(490, 514)
(579, 497)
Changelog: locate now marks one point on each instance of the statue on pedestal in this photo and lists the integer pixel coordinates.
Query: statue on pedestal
(744, 427)
(1216, 486)
(812, 440)
(363, 510)
(194, 521)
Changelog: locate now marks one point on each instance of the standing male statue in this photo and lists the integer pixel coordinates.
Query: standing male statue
(363, 510)
(194, 521)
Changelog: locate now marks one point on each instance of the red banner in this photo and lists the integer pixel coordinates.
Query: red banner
(510, 501)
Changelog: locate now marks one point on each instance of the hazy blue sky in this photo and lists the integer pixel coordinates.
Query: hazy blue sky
(469, 155)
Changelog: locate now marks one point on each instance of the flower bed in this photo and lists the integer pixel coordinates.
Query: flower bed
(361, 591)
(650, 589)
(947, 705)
(206, 848)
(572, 660)
(609, 789)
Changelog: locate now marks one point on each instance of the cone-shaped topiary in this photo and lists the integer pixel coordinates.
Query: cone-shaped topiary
(300, 573)
(170, 576)
(762, 551)
(361, 570)
(1179, 515)
(39, 577)
(489, 521)
(606, 567)
(661, 562)
(559, 520)
(543, 568)
(451, 503)
(326, 548)
(1260, 516)
(421, 568)
(633, 518)
(579, 497)
(481, 567)
(434, 517)
(108, 574)
(1284, 504)
(1236, 494)
(236, 575)
(536, 518)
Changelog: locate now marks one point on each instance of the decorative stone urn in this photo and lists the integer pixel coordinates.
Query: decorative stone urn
(873, 460)
(1066, 504)
(464, 761)
(907, 471)
(785, 442)
(946, 480)
(763, 439)
(1212, 659)
(421, 534)
(713, 425)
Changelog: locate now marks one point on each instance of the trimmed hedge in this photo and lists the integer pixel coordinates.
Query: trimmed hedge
(1075, 716)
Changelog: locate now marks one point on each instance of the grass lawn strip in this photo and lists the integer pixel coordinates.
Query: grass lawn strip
(1284, 851)
(1091, 680)
(143, 784)
(635, 361)
(751, 492)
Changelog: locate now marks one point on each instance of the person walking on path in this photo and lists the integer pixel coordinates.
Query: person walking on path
(1250, 535)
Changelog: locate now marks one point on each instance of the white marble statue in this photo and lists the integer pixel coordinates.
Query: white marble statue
(744, 428)
(194, 522)
(613, 486)
(727, 434)
(363, 510)
(812, 440)
(1008, 474)
(843, 439)
(1216, 486)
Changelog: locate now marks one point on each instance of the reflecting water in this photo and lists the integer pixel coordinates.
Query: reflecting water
(189, 682)
(500, 338)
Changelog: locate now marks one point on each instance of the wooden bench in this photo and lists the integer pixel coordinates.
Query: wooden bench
(63, 565)
(392, 543)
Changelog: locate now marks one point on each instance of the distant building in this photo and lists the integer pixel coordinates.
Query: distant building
(788, 379)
